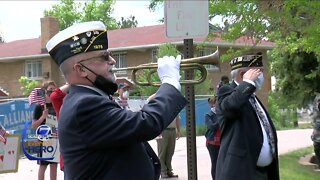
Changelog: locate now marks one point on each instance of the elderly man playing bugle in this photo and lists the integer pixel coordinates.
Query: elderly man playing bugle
(99, 139)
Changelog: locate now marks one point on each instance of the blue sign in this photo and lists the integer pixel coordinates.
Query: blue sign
(201, 108)
(14, 115)
(35, 145)
(17, 112)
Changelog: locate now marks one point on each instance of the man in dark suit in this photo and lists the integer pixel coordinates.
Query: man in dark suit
(99, 139)
(248, 149)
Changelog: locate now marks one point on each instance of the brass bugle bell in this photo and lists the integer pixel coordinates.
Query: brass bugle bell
(196, 63)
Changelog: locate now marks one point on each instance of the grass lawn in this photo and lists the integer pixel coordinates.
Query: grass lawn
(290, 169)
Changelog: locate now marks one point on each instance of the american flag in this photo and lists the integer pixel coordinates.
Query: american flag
(3, 135)
(37, 95)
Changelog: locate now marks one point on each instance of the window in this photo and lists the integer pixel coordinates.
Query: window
(121, 61)
(33, 70)
(205, 52)
(154, 55)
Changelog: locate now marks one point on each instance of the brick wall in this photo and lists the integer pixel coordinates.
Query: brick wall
(49, 27)
(135, 58)
(10, 74)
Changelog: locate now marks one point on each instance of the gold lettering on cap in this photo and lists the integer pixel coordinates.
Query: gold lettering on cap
(98, 46)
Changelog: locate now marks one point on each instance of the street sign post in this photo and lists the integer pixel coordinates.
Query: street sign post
(188, 20)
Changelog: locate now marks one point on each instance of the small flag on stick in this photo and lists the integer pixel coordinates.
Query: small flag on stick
(37, 96)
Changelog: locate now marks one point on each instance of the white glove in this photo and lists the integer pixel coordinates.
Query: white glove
(169, 70)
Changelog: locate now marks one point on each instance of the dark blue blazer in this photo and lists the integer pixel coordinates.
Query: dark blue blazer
(100, 140)
(212, 125)
(241, 135)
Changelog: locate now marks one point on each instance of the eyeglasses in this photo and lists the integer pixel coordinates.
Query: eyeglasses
(105, 56)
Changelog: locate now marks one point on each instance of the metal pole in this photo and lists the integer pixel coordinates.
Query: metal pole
(190, 116)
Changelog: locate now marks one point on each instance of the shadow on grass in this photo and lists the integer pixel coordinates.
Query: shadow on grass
(291, 169)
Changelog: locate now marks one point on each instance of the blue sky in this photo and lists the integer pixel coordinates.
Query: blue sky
(21, 19)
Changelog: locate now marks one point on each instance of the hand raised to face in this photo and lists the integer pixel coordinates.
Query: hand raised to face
(252, 74)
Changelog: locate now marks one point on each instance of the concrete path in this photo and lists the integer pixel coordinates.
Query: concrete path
(289, 140)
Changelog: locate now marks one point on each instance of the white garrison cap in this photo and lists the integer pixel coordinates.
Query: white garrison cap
(78, 38)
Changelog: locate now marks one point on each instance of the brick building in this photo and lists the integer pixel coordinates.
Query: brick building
(130, 47)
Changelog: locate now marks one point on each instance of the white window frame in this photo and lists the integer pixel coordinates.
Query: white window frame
(34, 70)
(121, 61)
(205, 52)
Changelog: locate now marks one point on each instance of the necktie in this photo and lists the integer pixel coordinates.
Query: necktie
(264, 121)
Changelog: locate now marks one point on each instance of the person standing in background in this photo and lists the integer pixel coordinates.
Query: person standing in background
(122, 99)
(166, 143)
(212, 135)
(40, 115)
(224, 80)
(57, 99)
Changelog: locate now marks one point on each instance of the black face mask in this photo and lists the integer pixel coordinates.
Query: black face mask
(103, 84)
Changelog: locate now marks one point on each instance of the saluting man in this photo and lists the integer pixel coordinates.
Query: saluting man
(248, 142)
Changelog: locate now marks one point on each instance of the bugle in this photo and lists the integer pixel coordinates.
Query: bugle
(196, 63)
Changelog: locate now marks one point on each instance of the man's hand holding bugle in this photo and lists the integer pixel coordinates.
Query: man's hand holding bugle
(169, 70)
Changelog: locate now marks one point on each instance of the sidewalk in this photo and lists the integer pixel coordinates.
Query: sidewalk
(288, 140)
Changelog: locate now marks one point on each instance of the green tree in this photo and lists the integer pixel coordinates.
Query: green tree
(154, 4)
(293, 25)
(166, 49)
(69, 12)
(146, 90)
(130, 22)
(27, 85)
